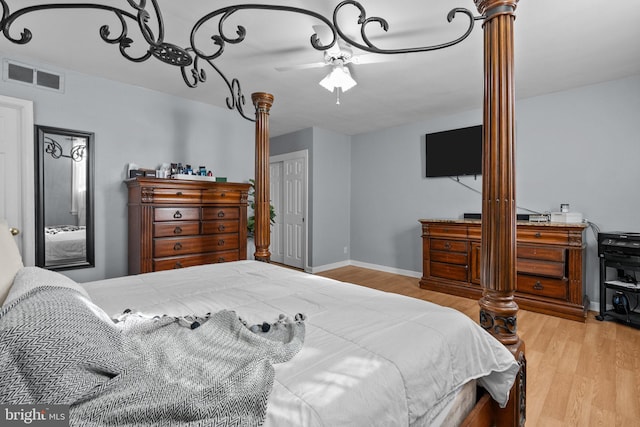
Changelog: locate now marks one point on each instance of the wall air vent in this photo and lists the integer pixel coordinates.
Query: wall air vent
(13, 71)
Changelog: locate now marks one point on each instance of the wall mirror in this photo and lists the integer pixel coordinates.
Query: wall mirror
(64, 198)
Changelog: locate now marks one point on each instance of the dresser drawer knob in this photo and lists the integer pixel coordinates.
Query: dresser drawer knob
(221, 259)
(179, 193)
(221, 227)
(538, 235)
(447, 245)
(177, 215)
(177, 246)
(221, 242)
(538, 286)
(177, 230)
(221, 214)
(178, 265)
(222, 194)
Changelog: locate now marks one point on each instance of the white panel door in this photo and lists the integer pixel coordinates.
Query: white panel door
(275, 188)
(289, 198)
(294, 211)
(16, 172)
(9, 172)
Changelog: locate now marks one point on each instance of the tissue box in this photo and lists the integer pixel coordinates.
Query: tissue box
(566, 217)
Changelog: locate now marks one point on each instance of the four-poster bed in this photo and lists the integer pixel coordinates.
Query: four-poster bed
(498, 311)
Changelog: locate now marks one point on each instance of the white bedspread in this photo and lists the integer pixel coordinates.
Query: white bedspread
(369, 359)
(65, 244)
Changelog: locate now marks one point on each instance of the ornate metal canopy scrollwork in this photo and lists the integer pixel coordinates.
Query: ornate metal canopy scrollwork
(190, 59)
(53, 147)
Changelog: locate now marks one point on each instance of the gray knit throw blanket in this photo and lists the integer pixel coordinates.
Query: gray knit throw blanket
(56, 347)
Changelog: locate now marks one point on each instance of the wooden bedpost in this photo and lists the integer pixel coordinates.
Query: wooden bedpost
(498, 310)
(262, 231)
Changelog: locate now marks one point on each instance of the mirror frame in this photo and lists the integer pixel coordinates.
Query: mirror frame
(40, 132)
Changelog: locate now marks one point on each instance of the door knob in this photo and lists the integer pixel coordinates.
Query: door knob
(14, 231)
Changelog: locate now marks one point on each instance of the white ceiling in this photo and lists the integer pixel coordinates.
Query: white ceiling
(558, 45)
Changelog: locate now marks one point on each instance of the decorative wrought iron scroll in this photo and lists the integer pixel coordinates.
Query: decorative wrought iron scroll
(53, 147)
(189, 59)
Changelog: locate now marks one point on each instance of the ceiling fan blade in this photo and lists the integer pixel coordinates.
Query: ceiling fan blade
(372, 58)
(302, 66)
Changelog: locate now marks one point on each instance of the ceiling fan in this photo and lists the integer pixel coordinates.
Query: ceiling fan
(339, 57)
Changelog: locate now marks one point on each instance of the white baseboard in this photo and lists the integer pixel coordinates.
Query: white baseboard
(387, 269)
(377, 267)
(326, 267)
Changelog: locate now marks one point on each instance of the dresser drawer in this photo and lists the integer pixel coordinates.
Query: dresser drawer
(448, 230)
(176, 214)
(193, 260)
(220, 213)
(449, 245)
(175, 246)
(225, 256)
(541, 268)
(217, 227)
(175, 195)
(175, 228)
(449, 257)
(543, 253)
(219, 196)
(543, 235)
(182, 262)
(474, 233)
(224, 242)
(551, 288)
(449, 271)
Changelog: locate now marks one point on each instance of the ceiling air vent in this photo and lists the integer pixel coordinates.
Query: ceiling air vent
(32, 76)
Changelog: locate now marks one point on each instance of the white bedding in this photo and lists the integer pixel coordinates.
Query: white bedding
(369, 358)
(65, 244)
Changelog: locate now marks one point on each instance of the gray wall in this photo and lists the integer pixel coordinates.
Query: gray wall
(332, 195)
(328, 190)
(579, 147)
(133, 124)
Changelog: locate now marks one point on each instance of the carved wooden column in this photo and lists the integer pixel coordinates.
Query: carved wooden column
(262, 232)
(498, 310)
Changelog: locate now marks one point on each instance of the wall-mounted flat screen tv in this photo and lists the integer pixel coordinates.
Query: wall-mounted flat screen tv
(454, 152)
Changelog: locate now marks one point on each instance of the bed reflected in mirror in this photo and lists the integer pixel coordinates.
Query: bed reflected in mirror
(64, 198)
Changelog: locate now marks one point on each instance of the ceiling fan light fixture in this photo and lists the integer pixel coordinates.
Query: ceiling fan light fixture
(339, 77)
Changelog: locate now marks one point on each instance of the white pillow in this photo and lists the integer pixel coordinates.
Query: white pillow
(10, 260)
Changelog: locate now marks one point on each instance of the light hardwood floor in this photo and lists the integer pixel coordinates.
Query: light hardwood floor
(578, 374)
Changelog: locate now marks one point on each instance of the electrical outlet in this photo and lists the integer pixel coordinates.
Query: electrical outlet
(346, 249)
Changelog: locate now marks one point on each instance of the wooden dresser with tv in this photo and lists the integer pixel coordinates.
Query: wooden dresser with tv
(180, 223)
(550, 264)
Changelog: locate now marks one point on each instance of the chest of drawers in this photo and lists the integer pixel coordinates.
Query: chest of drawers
(549, 264)
(179, 223)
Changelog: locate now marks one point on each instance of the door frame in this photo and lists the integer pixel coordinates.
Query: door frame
(296, 155)
(25, 165)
